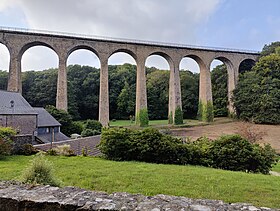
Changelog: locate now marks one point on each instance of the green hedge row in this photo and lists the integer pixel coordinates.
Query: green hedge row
(231, 152)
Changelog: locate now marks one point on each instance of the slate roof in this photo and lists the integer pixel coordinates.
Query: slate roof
(21, 106)
(46, 138)
(45, 119)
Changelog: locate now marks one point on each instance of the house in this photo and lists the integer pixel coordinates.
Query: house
(48, 128)
(17, 113)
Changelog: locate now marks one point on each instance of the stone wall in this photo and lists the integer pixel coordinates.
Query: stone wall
(19, 141)
(16, 196)
(24, 124)
(87, 143)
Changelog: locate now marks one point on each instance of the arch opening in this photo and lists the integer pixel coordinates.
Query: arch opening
(39, 75)
(83, 73)
(122, 85)
(189, 78)
(4, 66)
(157, 81)
(246, 65)
(220, 67)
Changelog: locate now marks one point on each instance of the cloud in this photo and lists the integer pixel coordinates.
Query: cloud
(156, 20)
(161, 20)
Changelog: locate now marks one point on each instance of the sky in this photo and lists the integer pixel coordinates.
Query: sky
(238, 24)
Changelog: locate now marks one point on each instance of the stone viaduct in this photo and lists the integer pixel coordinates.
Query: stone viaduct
(18, 41)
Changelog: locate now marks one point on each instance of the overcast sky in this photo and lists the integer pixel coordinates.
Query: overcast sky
(241, 24)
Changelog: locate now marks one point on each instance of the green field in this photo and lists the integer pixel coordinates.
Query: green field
(150, 179)
(157, 123)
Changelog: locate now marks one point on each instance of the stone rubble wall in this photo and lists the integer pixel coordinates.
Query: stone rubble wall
(17, 196)
(19, 141)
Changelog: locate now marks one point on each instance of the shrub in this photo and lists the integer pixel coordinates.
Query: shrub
(52, 152)
(40, 171)
(85, 151)
(263, 159)
(64, 150)
(142, 118)
(178, 116)
(200, 152)
(247, 131)
(5, 140)
(205, 111)
(148, 145)
(232, 152)
(90, 132)
(93, 125)
(27, 149)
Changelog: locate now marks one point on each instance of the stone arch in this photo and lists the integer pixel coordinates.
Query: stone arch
(125, 109)
(164, 55)
(231, 81)
(82, 47)
(124, 50)
(33, 44)
(197, 59)
(91, 90)
(190, 101)
(246, 64)
(164, 110)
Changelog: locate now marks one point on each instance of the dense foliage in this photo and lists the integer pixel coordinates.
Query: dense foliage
(68, 125)
(230, 152)
(219, 78)
(39, 89)
(257, 96)
(91, 128)
(6, 143)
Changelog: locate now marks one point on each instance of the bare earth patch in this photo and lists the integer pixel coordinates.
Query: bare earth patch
(225, 126)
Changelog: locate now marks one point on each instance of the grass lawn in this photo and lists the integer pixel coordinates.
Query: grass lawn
(150, 179)
(157, 123)
(277, 167)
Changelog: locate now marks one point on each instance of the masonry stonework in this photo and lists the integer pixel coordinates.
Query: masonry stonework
(18, 42)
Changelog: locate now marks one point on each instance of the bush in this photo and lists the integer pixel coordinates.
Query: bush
(27, 149)
(231, 152)
(52, 152)
(200, 152)
(142, 118)
(40, 172)
(90, 132)
(93, 125)
(5, 140)
(178, 117)
(64, 150)
(247, 131)
(148, 145)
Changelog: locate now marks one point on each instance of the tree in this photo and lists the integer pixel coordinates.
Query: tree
(189, 92)
(126, 102)
(219, 80)
(157, 93)
(39, 88)
(3, 79)
(64, 118)
(270, 49)
(257, 96)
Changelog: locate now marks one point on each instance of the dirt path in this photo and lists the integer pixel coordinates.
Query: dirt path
(224, 126)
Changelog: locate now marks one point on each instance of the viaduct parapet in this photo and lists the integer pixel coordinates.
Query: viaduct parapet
(18, 41)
